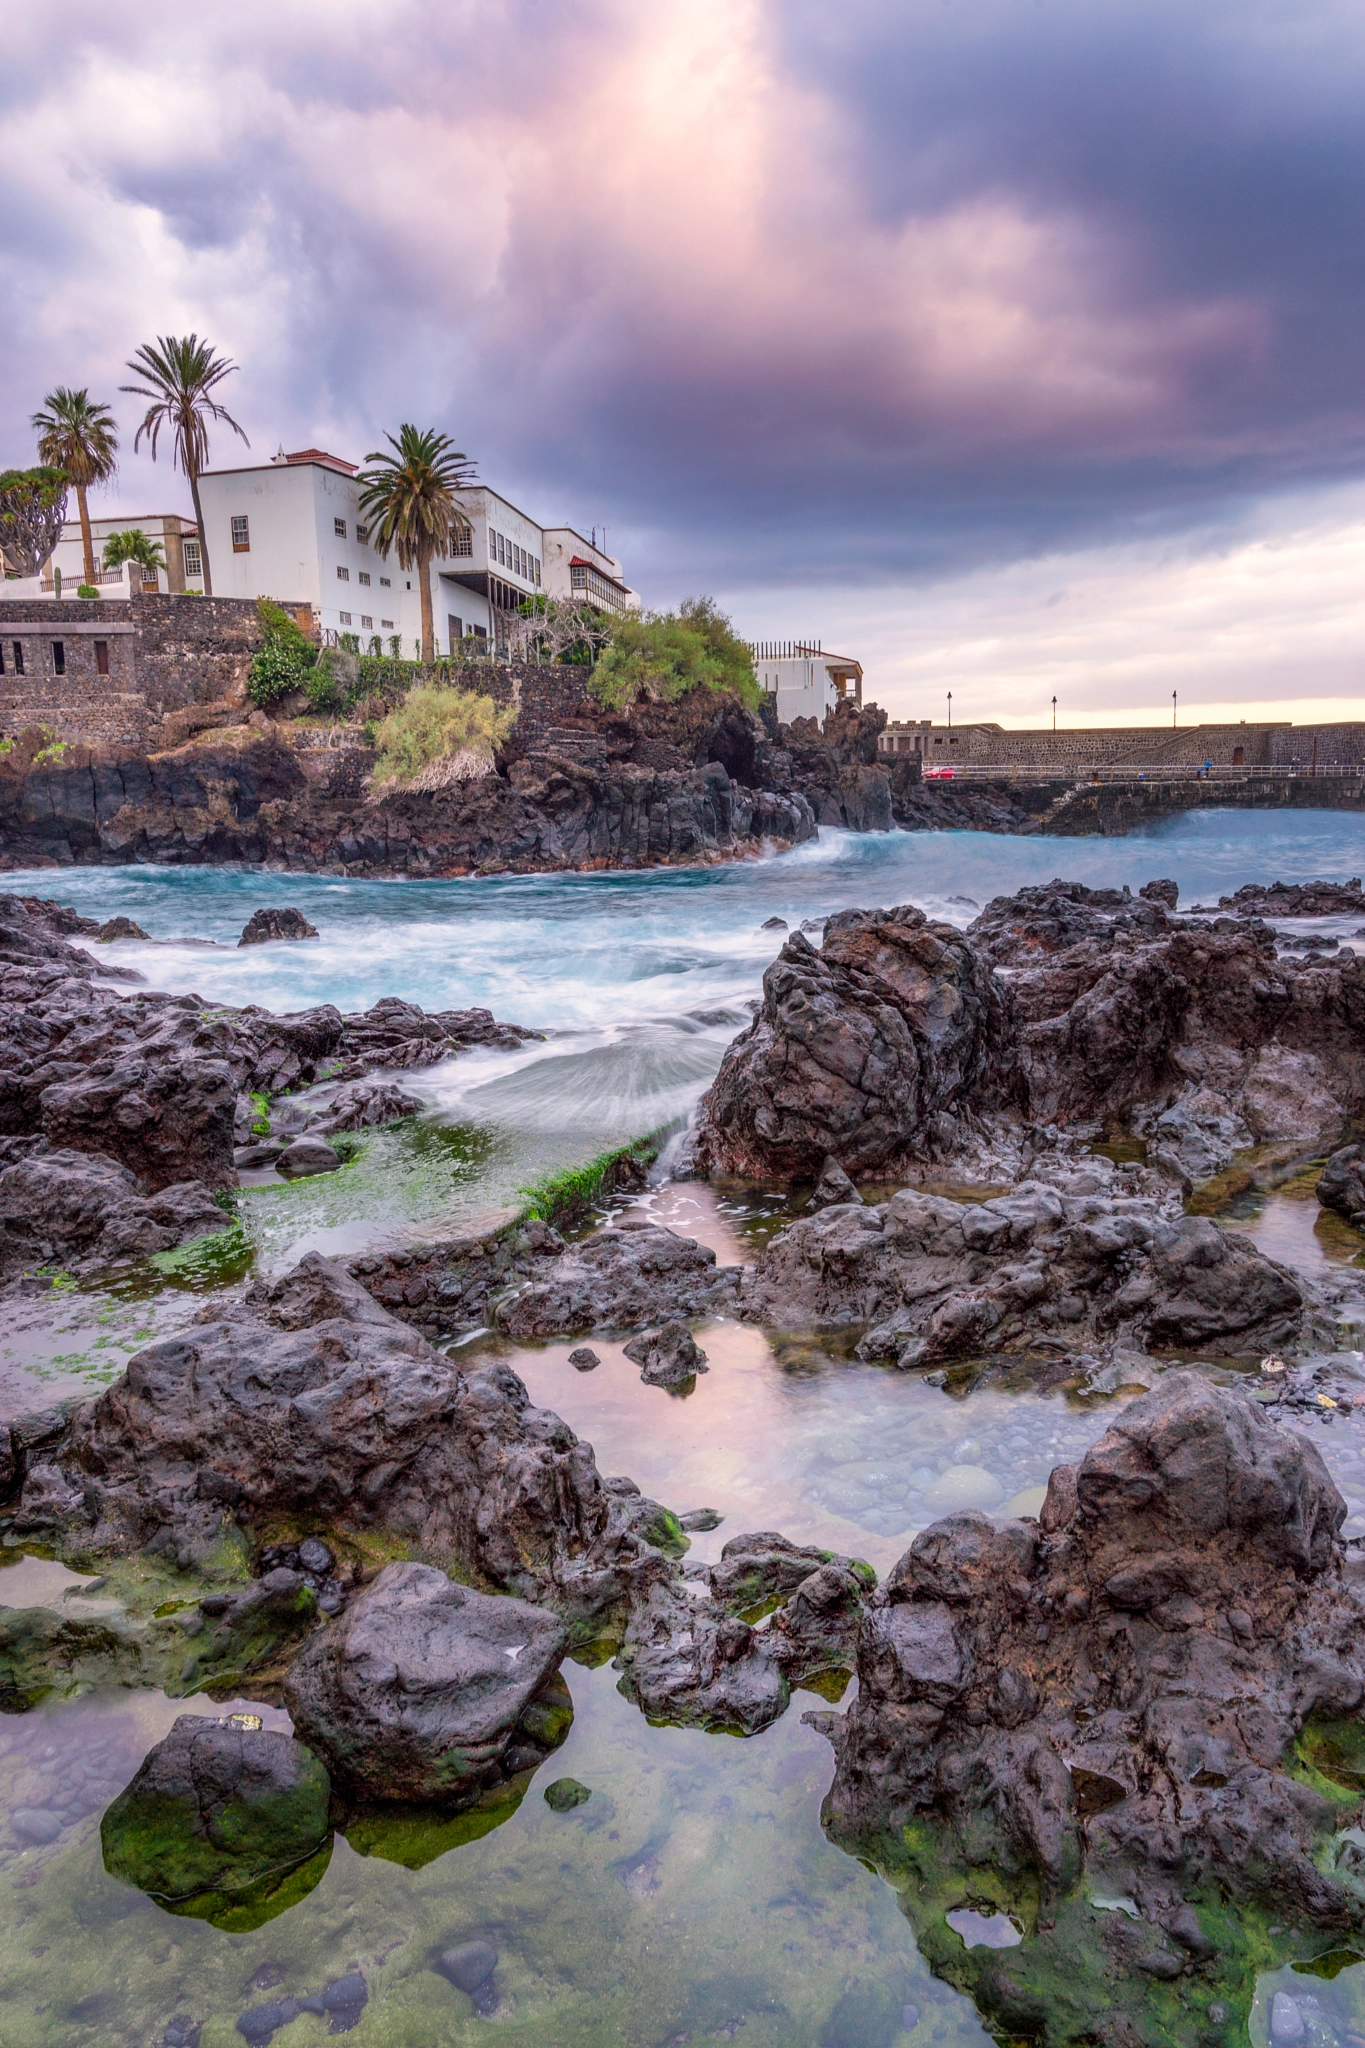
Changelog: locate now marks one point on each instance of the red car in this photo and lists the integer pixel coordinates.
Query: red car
(938, 774)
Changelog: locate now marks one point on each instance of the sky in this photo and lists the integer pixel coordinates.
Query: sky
(1013, 346)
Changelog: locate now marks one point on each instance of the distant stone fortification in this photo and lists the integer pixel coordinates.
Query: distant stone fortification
(1247, 743)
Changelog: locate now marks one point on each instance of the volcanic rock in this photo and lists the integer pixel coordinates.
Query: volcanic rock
(628, 1273)
(1341, 1185)
(270, 923)
(930, 1279)
(80, 1209)
(215, 1807)
(1070, 1707)
(308, 1399)
(859, 1050)
(361, 1105)
(167, 1116)
(119, 928)
(1296, 899)
(306, 1156)
(668, 1357)
(416, 1693)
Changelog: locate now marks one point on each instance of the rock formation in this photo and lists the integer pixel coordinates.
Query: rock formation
(427, 1690)
(1341, 1185)
(860, 1051)
(1132, 1726)
(79, 1210)
(1061, 1006)
(270, 923)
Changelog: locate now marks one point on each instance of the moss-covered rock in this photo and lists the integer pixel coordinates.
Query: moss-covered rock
(219, 1815)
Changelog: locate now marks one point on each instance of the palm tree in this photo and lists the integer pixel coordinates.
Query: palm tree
(409, 501)
(79, 437)
(181, 374)
(133, 545)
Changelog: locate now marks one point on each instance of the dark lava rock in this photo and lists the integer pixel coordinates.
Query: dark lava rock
(306, 1156)
(584, 1359)
(774, 924)
(168, 1115)
(1341, 1184)
(1296, 899)
(1065, 1703)
(700, 1520)
(629, 1273)
(309, 1399)
(79, 1208)
(344, 2000)
(216, 1807)
(565, 1794)
(668, 1357)
(361, 1105)
(1161, 892)
(260, 2023)
(468, 1965)
(276, 924)
(418, 1691)
(315, 1557)
(761, 1568)
(182, 2032)
(931, 1279)
(857, 1049)
(119, 928)
(833, 1186)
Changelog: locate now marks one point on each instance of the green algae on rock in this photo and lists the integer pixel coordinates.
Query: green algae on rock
(218, 1817)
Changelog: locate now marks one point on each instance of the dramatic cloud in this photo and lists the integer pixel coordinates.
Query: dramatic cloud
(873, 305)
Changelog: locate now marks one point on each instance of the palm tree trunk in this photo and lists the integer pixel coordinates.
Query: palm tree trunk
(86, 542)
(428, 628)
(203, 537)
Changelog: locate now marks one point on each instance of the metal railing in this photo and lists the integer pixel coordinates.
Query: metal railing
(1106, 772)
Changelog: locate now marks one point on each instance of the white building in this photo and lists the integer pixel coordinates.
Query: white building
(291, 529)
(805, 681)
(175, 535)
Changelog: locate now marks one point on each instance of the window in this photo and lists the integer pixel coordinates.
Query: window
(462, 544)
(363, 577)
(18, 657)
(364, 621)
(241, 535)
(343, 575)
(362, 534)
(455, 627)
(193, 561)
(59, 657)
(386, 583)
(101, 657)
(339, 528)
(387, 624)
(537, 572)
(345, 618)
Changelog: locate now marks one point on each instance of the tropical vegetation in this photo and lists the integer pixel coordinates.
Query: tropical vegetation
(285, 658)
(78, 436)
(133, 545)
(663, 655)
(440, 736)
(408, 500)
(32, 513)
(180, 375)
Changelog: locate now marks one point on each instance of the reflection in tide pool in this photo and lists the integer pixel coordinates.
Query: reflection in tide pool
(691, 1899)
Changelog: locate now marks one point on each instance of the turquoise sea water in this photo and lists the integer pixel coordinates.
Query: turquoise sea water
(694, 1899)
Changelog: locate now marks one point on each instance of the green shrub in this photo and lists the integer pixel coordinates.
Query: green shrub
(286, 659)
(86, 590)
(435, 736)
(663, 655)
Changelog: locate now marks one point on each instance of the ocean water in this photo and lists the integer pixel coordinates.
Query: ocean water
(694, 1899)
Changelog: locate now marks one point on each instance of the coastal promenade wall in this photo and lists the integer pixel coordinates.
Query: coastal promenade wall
(1075, 750)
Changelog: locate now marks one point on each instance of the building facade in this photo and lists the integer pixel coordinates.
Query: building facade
(179, 546)
(292, 529)
(803, 681)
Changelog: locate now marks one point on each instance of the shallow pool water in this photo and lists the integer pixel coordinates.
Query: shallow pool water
(693, 1898)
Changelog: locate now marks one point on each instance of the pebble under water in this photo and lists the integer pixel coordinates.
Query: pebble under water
(692, 1897)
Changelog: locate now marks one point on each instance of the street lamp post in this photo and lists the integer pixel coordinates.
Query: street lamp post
(950, 710)
(1173, 716)
(1054, 714)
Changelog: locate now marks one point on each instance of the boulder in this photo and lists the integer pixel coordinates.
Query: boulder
(927, 1279)
(859, 1050)
(306, 1156)
(1341, 1185)
(361, 1105)
(216, 1806)
(167, 1116)
(269, 923)
(81, 1209)
(668, 1357)
(418, 1690)
(119, 928)
(1142, 1696)
(629, 1273)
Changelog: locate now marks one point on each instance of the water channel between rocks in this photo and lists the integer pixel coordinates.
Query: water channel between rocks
(693, 1898)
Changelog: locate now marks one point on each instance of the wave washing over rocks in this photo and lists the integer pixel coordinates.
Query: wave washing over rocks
(1123, 1738)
